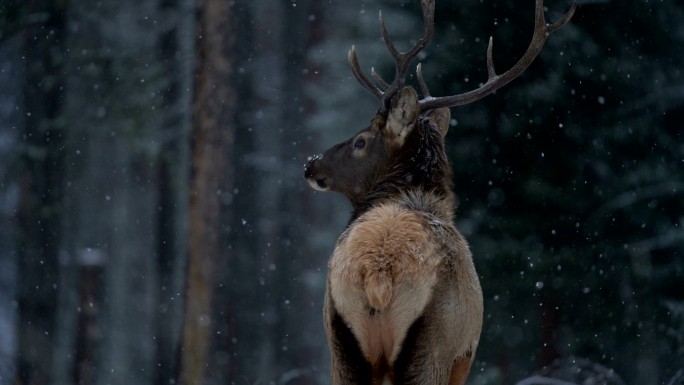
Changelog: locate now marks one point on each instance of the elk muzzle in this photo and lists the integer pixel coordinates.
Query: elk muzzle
(313, 175)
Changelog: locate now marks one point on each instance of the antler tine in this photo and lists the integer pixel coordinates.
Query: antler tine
(494, 81)
(403, 60)
(356, 69)
(491, 73)
(564, 20)
(379, 79)
(421, 81)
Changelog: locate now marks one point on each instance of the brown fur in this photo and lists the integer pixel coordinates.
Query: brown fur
(394, 265)
(374, 265)
(387, 246)
(403, 302)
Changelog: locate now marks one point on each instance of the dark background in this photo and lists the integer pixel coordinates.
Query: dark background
(570, 184)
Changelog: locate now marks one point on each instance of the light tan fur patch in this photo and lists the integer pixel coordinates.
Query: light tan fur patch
(387, 246)
(381, 277)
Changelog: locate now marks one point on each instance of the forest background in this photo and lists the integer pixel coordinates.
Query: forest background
(114, 113)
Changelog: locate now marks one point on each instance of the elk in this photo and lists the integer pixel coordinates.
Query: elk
(403, 302)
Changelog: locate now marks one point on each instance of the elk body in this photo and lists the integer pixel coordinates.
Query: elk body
(403, 302)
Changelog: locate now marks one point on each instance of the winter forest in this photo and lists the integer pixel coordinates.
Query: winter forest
(156, 228)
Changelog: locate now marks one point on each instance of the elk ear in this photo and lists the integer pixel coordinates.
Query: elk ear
(441, 117)
(402, 116)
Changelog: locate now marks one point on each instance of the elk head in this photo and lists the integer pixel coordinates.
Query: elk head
(355, 166)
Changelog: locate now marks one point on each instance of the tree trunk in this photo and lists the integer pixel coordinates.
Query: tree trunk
(212, 115)
(88, 333)
(41, 187)
(549, 318)
(111, 195)
(173, 49)
(10, 94)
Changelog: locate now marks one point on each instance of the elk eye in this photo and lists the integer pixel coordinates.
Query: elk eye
(360, 143)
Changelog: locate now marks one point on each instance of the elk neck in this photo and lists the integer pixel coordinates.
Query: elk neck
(418, 177)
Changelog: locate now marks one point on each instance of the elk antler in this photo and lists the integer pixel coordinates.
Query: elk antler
(402, 60)
(493, 83)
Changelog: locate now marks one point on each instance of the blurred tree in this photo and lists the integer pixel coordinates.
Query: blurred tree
(114, 109)
(263, 297)
(211, 141)
(11, 127)
(235, 305)
(174, 50)
(41, 183)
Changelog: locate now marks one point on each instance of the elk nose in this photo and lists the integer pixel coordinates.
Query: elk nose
(308, 171)
(308, 167)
